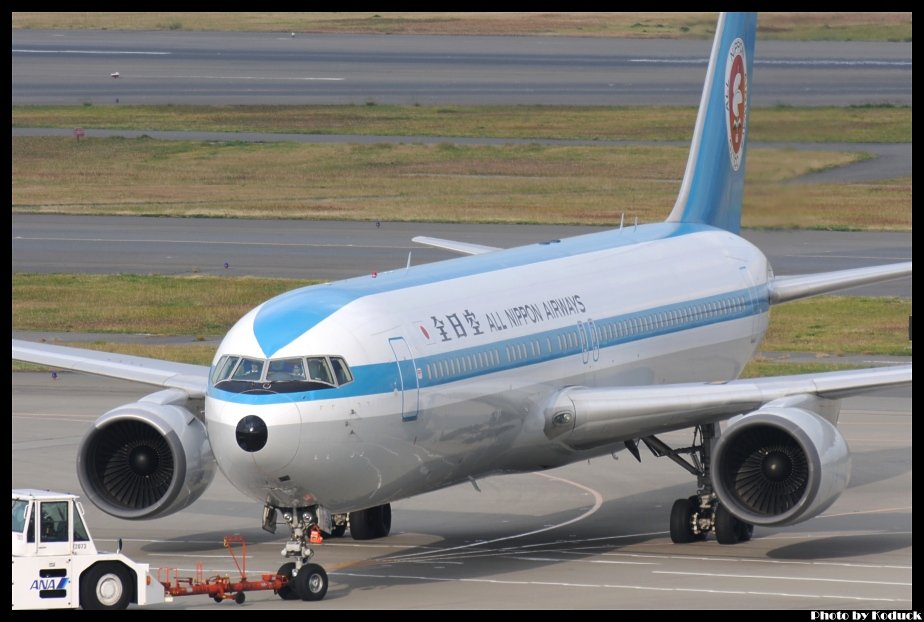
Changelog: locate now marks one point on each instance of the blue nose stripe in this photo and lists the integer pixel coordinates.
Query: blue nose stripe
(283, 319)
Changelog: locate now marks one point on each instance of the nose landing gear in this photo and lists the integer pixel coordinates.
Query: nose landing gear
(305, 580)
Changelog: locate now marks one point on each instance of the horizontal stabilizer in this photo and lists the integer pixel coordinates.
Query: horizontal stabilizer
(786, 288)
(193, 379)
(465, 248)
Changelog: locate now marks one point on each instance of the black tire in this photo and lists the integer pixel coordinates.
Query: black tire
(745, 531)
(384, 520)
(682, 521)
(311, 582)
(239, 598)
(372, 523)
(287, 591)
(337, 531)
(106, 586)
(726, 526)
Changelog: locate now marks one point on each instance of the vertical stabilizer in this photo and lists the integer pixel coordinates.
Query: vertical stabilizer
(713, 183)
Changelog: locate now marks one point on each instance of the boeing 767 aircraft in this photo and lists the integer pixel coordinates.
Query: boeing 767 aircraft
(329, 402)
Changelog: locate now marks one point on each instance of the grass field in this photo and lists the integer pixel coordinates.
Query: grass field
(808, 26)
(415, 182)
(126, 303)
(889, 124)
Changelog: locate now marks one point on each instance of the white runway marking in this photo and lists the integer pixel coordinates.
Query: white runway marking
(210, 242)
(906, 508)
(776, 578)
(274, 78)
(746, 560)
(642, 588)
(104, 52)
(598, 503)
(581, 561)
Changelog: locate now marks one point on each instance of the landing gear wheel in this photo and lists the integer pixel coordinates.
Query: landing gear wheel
(682, 521)
(730, 530)
(745, 531)
(105, 586)
(695, 502)
(311, 582)
(337, 531)
(287, 591)
(239, 598)
(372, 523)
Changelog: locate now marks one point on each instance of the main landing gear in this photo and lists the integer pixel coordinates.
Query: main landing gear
(367, 524)
(694, 517)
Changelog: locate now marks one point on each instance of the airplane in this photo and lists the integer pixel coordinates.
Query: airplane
(329, 402)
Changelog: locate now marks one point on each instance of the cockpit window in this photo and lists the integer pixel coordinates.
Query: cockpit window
(224, 368)
(341, 371)
(288, 375)
(248, 369)
(286, 369)
(318, 370)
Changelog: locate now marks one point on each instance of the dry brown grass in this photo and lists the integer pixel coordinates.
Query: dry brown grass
(444, 182)
(827, 124)
(124, 303)
(859, 26)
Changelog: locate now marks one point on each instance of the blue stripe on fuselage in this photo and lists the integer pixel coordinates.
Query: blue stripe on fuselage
(287, 317)
(379, 378)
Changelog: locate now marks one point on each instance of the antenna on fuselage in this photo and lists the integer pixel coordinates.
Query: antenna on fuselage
(408, 266)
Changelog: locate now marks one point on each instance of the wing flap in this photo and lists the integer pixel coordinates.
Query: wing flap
(585, 417)
(193, 379)
(786, 288)
(464, 248)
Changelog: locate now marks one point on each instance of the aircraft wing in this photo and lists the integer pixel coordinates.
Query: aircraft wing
(193, 379)
(786, 288)
(465, 248)
(585, 417)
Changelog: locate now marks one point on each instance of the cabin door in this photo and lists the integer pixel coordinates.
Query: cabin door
(406, 379)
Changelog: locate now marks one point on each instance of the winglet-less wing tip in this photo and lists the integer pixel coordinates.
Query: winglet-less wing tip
(465, 248)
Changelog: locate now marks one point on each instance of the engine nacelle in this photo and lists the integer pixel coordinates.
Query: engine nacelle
(145, 460)
(779, 466)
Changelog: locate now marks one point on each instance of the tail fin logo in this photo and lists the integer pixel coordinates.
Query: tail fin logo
(736, 101)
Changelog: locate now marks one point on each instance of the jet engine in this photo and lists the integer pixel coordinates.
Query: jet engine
(779, 466)
(147, 459)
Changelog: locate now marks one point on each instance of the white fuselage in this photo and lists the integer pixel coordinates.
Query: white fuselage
(453, 362)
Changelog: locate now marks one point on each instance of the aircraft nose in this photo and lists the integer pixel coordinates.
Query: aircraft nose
(251, 433)
(249, 438)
